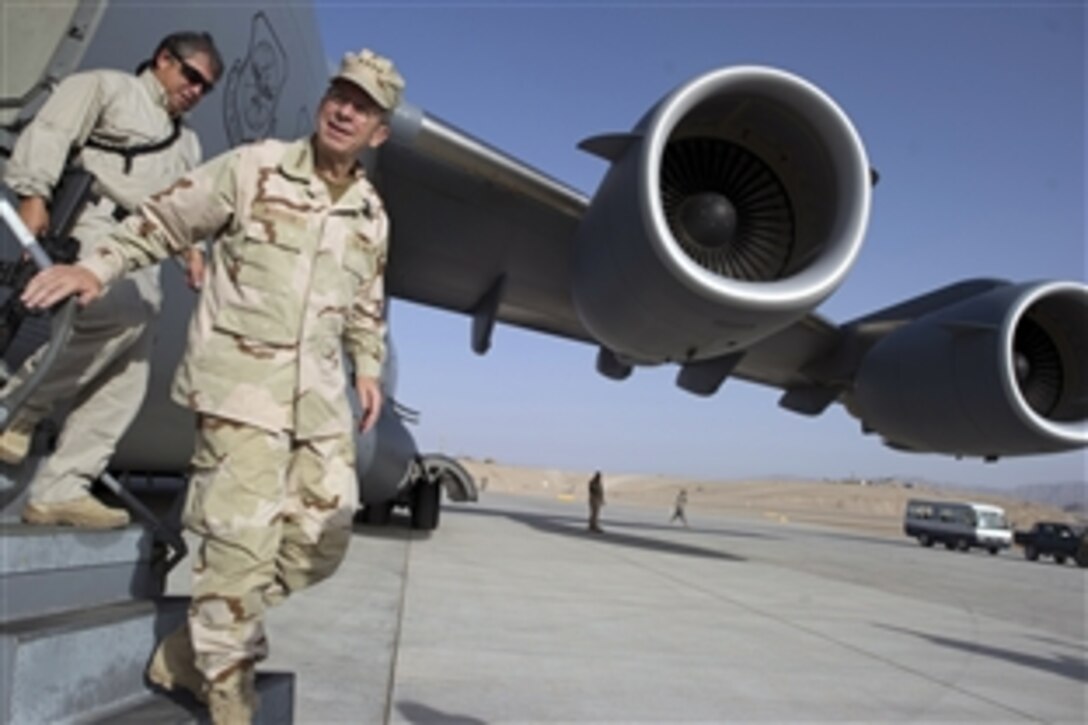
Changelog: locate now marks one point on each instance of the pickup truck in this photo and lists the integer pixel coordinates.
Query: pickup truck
(1051, 538)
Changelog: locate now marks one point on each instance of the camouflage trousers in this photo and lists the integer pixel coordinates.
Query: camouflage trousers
(273, 514)
(102, 373)
(595, 513)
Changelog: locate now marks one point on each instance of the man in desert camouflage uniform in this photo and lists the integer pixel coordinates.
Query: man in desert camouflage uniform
(127, 130)
(596, 501)
(296, 276)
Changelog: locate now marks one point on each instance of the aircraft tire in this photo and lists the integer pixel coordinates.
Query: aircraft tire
(426, 504)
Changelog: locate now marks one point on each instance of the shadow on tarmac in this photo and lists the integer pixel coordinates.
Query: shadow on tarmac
(719, 531)
(575, 526)
(415, 712)
(1074, 668)
(1055, 642)
(398, 527)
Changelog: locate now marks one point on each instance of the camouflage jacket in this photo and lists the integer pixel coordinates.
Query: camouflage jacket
(294, 279)
(113, 108)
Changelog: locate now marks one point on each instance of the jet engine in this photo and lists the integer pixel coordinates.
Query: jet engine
(1003, 373)
(734, 207)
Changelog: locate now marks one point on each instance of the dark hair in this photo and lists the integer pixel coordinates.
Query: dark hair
(185, 44)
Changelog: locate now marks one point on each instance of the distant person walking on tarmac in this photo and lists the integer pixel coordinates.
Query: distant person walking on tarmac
(596, 500)
(678, 507)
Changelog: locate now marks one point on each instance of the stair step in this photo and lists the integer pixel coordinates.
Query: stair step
(48, 569)
(62, 666)
(276, 691)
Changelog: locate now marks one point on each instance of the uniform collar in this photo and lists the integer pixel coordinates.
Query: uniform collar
(154, 88)
(297, 164)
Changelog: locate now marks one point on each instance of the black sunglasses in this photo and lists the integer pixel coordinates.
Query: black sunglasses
(192, 75)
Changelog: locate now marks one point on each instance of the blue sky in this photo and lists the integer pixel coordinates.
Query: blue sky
(974, 113)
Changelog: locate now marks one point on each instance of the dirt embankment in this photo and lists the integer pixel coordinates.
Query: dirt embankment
(874, 508)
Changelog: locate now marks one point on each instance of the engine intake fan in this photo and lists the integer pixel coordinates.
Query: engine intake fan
(726, 209)
(1003, 373)
(736, 206)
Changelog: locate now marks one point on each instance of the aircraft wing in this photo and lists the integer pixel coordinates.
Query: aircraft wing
(478, 232)
(730, 211)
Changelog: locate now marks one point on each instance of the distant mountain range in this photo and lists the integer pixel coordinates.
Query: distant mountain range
(1071, 496)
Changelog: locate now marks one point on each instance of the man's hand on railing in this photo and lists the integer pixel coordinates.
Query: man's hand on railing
(59, 282)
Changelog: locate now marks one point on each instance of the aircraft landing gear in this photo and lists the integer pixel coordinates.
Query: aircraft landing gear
(426, 505)
(375, 514)
(422, 496)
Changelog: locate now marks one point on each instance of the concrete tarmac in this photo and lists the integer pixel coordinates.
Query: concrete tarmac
(511, 612)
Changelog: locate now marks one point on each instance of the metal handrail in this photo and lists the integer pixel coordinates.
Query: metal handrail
(20, 102)
(61, 330)
(58, 338)
(170, 536)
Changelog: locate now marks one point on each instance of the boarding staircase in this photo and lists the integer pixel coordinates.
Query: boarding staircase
(80, 612)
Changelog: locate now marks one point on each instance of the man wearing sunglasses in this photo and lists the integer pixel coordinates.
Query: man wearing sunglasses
(127, 130)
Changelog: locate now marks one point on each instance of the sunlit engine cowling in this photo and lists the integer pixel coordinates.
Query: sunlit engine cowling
(1001, 374)
(736, 206)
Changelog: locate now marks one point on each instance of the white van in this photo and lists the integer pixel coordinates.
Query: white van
(957, 525)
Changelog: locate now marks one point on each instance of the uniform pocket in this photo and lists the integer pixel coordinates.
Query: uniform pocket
(264, 266)
(360, 262)
(268, 255)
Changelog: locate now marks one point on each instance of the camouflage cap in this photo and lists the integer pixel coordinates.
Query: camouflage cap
(375, 75)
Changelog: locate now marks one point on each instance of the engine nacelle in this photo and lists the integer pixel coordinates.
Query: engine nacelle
(735, 207)
(1004, 373)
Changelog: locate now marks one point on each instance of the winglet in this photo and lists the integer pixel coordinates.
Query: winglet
(609, 146)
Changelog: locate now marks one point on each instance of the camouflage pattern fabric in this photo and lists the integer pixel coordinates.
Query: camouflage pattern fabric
(294, 279)
(274, 515)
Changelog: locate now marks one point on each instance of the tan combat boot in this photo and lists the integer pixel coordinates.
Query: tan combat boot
(173, 665)
(85, 512)
(15, 440)
(233, 699)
